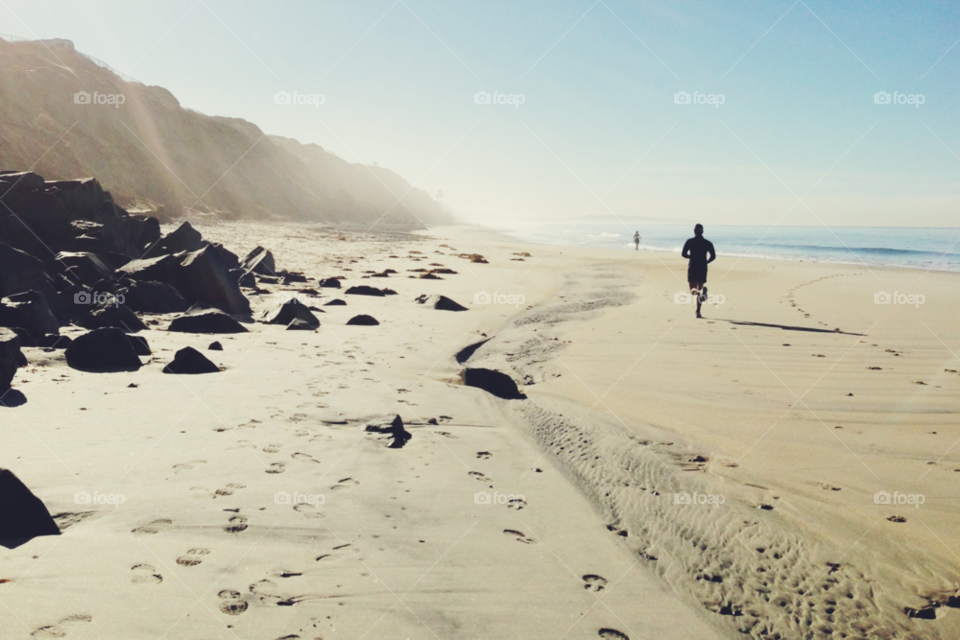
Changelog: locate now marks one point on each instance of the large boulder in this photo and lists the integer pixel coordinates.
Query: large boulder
(158, 269)
(204, 277)
(29, 310)
(289, 311)
(492, 381)
(10, 358)
(183, 238)
(148, 296)
(441, 303)
(206, 321)
(330, 283)
(260, 261)
(103, 350)
(190, 361)
(22, 514)
(83, 268)
(20, 271)
(113, 315)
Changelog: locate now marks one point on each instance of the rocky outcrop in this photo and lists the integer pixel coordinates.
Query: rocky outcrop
(103, 350)
(190, 361)
(22, 514)
(10, 357)
(289, 311)
(206, 321)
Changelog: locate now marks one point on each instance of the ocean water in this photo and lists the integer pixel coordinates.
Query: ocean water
(936, 249)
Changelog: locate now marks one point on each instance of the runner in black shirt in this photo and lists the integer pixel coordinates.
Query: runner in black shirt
(700, 252)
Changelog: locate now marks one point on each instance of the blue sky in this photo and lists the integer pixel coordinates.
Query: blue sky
(798, 138)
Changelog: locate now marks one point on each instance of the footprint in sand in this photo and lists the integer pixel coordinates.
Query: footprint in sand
(276, 467)
(62, 628)
(484, 455)
(272, 448)
(612, 634)
(237, 524)
(229, 489)
(446, 434)
(593, 582)
(479, 476)
(153, 527)
(308, 510)
(344, 483)
(193, 557)
(186, 466)
(517, 504)
(305, 457)
(232, 602)
(145, 574)
(520, 536)
(246, 444)
(336, 551)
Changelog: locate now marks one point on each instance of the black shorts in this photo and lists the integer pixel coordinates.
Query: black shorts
(697, 273)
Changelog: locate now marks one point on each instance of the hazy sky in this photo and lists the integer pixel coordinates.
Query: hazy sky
(798, 136)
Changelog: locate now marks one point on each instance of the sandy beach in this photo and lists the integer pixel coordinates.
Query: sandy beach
(665, 477)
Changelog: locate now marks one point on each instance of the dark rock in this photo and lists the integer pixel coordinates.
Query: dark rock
(190, 361)
(215, 346)
(140, 345)
(22, 514)
(53, 341)
(205, 277)
(28, 310)
(363, 320)
(183, 238)
(260, 261)
(336, 302)
(106, 349)
(441, 303)
(206, 321)
(20, 271)
(146, 296)
(330, 283)
(83, 268)
(113, 315)
(392, 427)
(287, 277)
(158, 269)
(288, 312)
(269, 279)
(491, 381)
(389, 292)
(467, 352)
(364, 290)
(244, 278)
(10, 358)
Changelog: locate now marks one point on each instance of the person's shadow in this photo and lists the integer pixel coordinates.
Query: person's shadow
(12, 398)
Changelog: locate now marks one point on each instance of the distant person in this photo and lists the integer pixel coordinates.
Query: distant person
(699, 251)
(636, 240)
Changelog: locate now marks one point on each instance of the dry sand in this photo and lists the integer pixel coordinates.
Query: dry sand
(631, 401)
